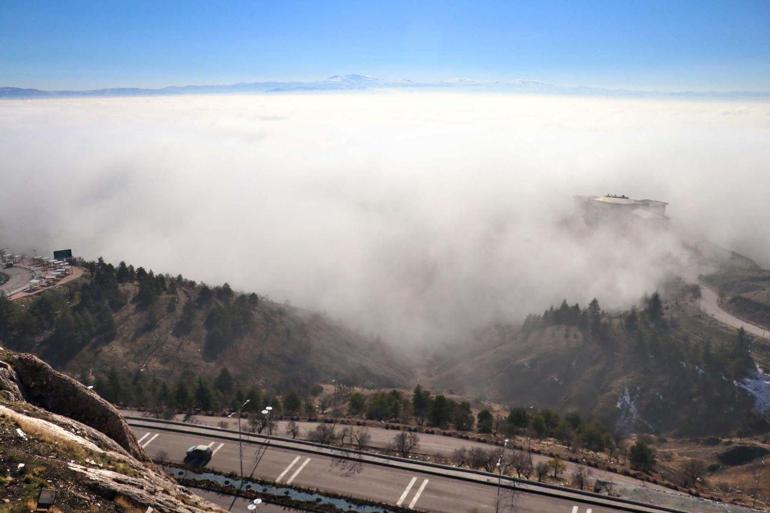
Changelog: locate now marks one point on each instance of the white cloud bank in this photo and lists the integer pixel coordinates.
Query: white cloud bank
(413, 215)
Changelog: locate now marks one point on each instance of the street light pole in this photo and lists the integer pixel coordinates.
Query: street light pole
(266, 413)
(500, 475)
(240, 440)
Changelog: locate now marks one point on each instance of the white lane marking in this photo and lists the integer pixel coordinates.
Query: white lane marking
(149, 440)
(295, 460)
(210, 445)
(296, 472)
(574, 509)
(406, 491)
(588, 510)
(417, 495)
(218, 447)
(143, 437)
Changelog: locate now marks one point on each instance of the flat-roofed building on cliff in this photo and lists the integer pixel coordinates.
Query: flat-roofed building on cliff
(622, 208)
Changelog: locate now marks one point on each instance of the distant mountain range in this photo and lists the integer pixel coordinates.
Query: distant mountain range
(356, 82)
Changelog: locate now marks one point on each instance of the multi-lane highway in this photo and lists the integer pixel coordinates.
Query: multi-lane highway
(409, 484)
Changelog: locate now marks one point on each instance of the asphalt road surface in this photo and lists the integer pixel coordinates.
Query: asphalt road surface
(709, 303)
(430, 445)
(408, 484)
(18, 277)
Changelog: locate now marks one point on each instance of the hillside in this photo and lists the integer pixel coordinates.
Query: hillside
(57, 435)
(664, 369)
(119, 326)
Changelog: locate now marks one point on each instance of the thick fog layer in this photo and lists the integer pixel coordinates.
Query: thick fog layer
(413, 216)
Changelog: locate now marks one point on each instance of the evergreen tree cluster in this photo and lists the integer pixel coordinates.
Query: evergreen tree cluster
(190, 393)
(58, 323)
(571, 429)
(588, 321)
(440, 411)
(647, 335)
(227, 319)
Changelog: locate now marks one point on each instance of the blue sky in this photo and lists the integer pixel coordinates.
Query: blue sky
(663, 45)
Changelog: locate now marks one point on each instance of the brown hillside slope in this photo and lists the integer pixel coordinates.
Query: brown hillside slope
(680, 375)
(169, 328)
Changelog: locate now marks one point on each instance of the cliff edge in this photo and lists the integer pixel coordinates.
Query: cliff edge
(57, 434)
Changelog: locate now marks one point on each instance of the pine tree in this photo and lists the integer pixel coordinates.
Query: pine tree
(164, 397)
(114, 391)
(186, 321)
(439, 414)
(484, 421)
(739, 359)
(123, 275)
(420, 403)
(642, 457)
(654, 309)
(632, 321)
(203, 397)
(463, 417)
(225, 382)
(594, 318)
(182, 395)
(140, 397)
(292, 403)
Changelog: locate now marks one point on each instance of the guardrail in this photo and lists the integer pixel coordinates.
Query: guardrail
(481, 477)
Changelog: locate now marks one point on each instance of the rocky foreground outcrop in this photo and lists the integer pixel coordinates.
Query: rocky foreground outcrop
(55, 433)
(55, 392)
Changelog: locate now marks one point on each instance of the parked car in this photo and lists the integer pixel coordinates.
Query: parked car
(198, 455)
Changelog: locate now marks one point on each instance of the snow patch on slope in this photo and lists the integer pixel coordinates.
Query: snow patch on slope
(32, 425)
(759, 388)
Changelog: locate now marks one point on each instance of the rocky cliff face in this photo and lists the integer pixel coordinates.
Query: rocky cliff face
(55, 433)
(55, 392)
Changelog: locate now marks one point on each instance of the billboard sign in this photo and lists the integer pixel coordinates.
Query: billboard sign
(62, 254)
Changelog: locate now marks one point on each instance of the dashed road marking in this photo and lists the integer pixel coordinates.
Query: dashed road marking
(218, 447)
(143, 437)
(293, 462)
(149, 440)
(419, 492)
(574, 509)
(406, 492)
(296, 472)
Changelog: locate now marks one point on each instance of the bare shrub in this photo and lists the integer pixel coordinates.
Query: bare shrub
(404, 443)
(292, 429)
(324, 434)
